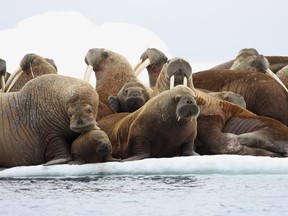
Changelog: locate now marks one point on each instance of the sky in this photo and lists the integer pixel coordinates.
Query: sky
(205, 32)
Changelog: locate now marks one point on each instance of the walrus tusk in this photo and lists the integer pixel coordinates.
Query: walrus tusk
(141, 66)
(2, 83)
(172, 80)
(274, 76)
(88, 72)
(96, 128)
(13, 79)
(185, 81)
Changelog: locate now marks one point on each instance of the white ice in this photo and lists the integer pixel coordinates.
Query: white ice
(194, 165)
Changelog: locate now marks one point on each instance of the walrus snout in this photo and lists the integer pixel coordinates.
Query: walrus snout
(81, 125)
(103, 148)
(187, 107)
(133, 103)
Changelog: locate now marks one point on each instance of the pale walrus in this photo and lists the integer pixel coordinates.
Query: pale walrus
(39, 122)
(165, 126)
(225, 128)
(92, 146)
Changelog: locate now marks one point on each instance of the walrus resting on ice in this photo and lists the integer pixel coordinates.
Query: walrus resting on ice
(91, 147)
(165, 126)
(39, 122)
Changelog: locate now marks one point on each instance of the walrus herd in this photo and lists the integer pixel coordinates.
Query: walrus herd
(238, 107)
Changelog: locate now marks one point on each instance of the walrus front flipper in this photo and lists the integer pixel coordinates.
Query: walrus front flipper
(114, 104)
(57, 161)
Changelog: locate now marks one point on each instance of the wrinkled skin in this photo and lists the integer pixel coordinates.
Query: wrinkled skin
(165, 126)
(92, 146)
(112, 71)
(262, 94)
(32, 66)
(39, 122)
(225, 128)
(131, 97)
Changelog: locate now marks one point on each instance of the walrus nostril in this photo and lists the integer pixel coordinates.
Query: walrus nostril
(79, 122)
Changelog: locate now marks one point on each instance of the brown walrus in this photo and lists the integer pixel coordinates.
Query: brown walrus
(31, 66)
(112, 71)
(153, 60)
(225, 128)
(165, 126)
(40, 121)
(131, 97)
(91, 147)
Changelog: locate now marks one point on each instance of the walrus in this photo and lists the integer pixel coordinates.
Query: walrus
(112, 71)
(91, 146)
(131, 97)
(40, 121)
(165, 126)
(249, 60)
(31, 66)
(229, 96)
(153, 60)
(226, 128)
(275, 62)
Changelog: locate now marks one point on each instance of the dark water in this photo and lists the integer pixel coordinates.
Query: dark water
(147, 195)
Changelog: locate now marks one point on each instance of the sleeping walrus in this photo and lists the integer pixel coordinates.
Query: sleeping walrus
(165, 126)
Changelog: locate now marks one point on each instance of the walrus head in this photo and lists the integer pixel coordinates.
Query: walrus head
(82, 110)
(186, 102)
(131, 97)
(31, 66)
(178, 71)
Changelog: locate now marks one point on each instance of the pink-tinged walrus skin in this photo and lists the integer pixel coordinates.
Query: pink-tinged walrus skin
(39, 122)
(165, 126)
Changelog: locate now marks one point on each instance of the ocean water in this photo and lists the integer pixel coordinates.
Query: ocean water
(212, 185)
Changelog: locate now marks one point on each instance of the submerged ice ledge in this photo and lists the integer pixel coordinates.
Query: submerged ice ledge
(216, 164)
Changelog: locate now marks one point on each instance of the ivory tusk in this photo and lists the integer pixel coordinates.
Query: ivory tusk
(88, 72)
(2, 83)
(13, 79)
(185, 81)
(141, 66)
(172, 81)
(96, 128)
(274, 76)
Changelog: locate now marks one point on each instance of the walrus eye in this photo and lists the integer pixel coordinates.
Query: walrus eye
(177, 98)
(89, 110)
(105, 54)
